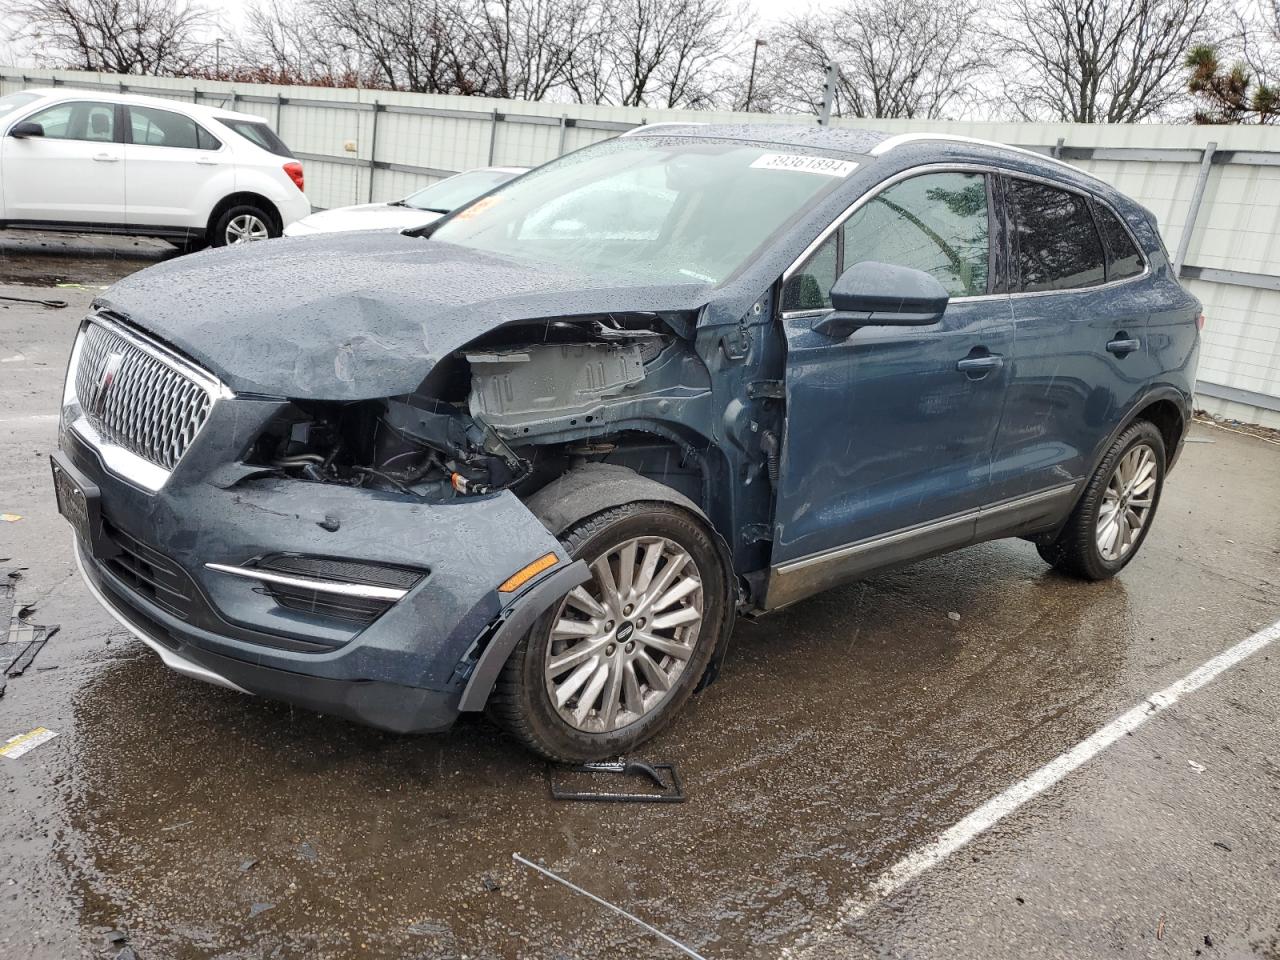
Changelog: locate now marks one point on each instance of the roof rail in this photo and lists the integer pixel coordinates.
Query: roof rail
(884, 146)
(643, 127)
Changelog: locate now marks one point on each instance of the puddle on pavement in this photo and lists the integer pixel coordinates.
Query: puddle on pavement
(841, 735)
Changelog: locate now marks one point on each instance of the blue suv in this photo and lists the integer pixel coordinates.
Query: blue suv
(535, 457)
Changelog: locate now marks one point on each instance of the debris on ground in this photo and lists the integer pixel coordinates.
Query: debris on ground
(670, 789)
(1197, 767)
(953, 616)
(247, 865)
(258, 908)
(1160, 928)
(24, 743)
(10, 517)
(1222, 846)
(491, 885)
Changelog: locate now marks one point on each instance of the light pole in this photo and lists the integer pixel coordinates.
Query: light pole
(217, 56)
(751, 83)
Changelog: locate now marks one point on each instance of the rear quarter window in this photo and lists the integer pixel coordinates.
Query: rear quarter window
(259, 134)
(1123, 258)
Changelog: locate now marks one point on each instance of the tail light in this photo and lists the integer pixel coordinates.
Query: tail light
(294, 169)
(1199, 321)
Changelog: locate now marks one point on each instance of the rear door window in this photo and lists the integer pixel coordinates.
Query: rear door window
(164, 128)
(1057, 245)
(1123, 258)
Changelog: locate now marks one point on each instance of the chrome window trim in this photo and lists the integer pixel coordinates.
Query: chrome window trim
(988, 169)
(340, 588)
(902, 139)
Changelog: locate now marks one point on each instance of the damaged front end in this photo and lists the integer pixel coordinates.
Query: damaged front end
(511, 410)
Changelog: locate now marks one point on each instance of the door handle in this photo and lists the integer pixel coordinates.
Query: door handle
(206, 161)
(105, 158)
(980, 365)
(1122, 347)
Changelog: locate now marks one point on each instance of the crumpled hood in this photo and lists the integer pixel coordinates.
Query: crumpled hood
(353, 316)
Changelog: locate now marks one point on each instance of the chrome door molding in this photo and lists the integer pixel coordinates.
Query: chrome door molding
(1032, 513)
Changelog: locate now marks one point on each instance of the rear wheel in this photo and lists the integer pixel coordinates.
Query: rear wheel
(613, 662)
(1114, 514)
(243, 223)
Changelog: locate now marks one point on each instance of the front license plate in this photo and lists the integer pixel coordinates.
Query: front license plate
(77, 501)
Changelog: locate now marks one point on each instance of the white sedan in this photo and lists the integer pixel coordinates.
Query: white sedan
(94, 162)
(416, 210)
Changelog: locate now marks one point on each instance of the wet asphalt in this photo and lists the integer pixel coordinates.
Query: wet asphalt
(185, 821)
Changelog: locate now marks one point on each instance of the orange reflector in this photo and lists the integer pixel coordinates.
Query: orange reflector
(527, 573)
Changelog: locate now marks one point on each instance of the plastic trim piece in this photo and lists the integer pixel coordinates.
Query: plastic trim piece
(365, 591)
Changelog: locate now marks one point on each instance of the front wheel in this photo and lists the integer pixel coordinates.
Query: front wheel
(1114, 514)
(615, 660)
(243, 223)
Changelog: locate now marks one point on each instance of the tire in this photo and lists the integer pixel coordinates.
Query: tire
(243, 223)
(1099, 540)
(627, 706)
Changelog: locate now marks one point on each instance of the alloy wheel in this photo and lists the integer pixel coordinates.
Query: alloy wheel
(620, 641)
(1126, 503)
(247, 228)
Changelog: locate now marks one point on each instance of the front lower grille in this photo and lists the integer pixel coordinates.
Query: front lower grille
(354, 609)
(138, 397)
(149, 573)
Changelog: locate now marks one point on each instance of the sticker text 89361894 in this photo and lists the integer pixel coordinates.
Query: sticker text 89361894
(802, 164)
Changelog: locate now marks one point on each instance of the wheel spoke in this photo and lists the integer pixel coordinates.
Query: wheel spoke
(677, 617)
(566, 628)
(573, 683)
(677, 593)
(612, 695)
(626, 570)
(608, 588)
(653, 673)
(644, 577)
(631, 689)
(673, 647)
(585, 602)
(574, 656)
(587, 701)
(675, 563)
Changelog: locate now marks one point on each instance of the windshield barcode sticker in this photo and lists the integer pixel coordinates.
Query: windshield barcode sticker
(793, 161)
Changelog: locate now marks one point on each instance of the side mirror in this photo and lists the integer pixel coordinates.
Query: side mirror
(871, 294)
(26, 129)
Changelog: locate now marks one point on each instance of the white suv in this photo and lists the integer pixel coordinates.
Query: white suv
(107, 163)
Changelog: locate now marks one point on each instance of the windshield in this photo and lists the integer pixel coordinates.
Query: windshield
(648, 210)
(451, 193)
(14, 100)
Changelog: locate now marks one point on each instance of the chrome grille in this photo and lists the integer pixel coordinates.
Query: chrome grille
(146, 404)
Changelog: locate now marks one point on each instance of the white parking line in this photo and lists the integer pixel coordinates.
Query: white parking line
(31, 419)
(997, 808)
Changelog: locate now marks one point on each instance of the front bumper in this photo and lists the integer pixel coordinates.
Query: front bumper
(405, 671)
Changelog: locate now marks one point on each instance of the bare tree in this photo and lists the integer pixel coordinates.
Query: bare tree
(156, 37)
(287, 48)
(526, 49)
(663, 53)
(1098, 61)
(897, 58)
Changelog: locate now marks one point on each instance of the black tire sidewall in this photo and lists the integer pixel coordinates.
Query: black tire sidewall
(218, 236)
(554, 737)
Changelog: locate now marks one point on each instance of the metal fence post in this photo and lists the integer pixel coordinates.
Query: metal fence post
(1184, 241)
(493, 136)
(828, 94)
(279, 105)
(373, 147)
(1056, 152)
(564, 127)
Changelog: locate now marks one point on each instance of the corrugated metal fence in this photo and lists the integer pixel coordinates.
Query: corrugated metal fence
(1216, 190)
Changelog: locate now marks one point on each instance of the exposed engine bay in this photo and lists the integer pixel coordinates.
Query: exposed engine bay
(512, 410)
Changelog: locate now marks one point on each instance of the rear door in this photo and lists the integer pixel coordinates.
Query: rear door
(170, 160)
(888, 435)
(1080, 360)
(72, 174)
